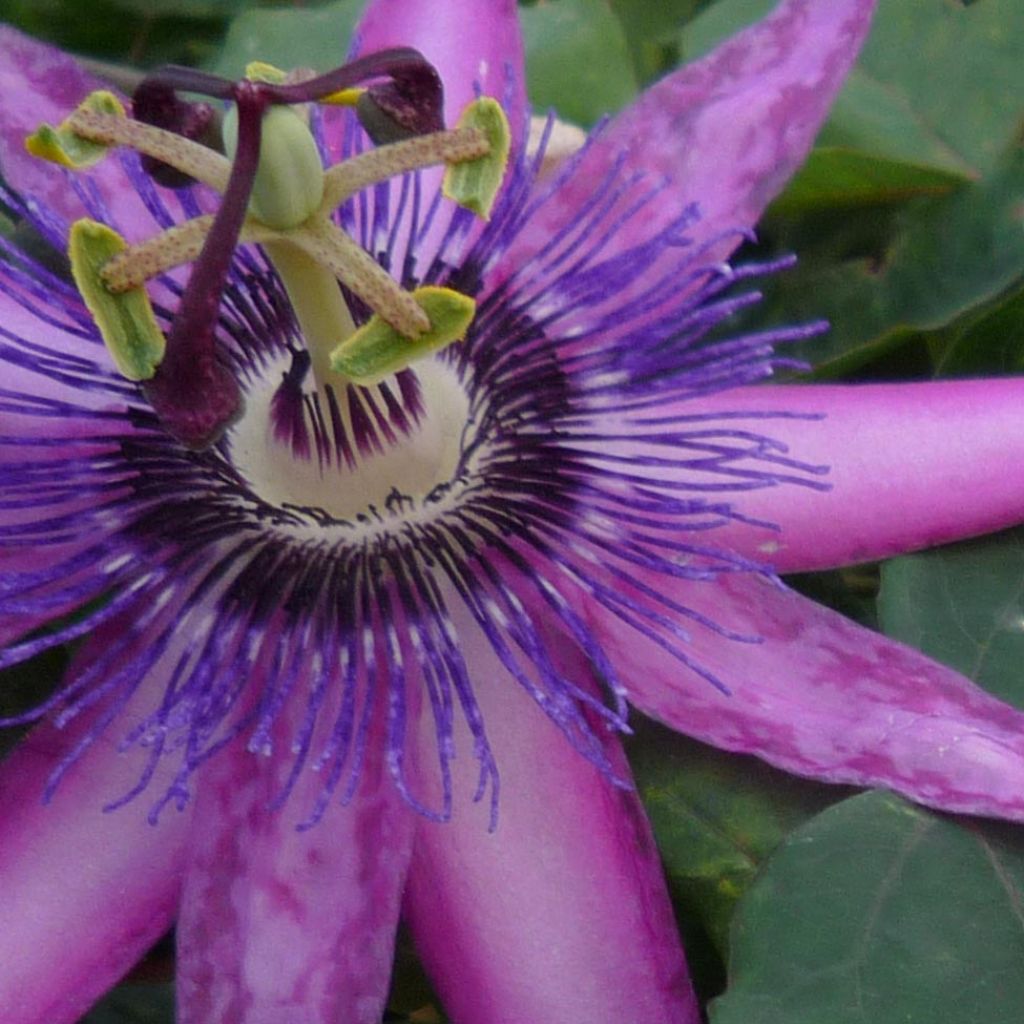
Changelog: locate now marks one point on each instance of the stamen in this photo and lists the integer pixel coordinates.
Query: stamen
(62, 145)
(361, 274)
(275, 193)
(475, 183)
(376, 351)
(191, 158)
(376, 165)
(172, 248)
(126, 321)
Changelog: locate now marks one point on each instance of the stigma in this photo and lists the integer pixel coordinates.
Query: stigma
(276, 194)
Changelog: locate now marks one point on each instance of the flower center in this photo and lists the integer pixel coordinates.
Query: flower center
(395, 479)
(275, 193)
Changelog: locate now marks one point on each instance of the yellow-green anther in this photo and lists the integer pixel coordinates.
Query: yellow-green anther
(65, 146)
(377, 350)
(126, 320)
(475, 183)
(342, 98)
(289, 182)
(259, 71)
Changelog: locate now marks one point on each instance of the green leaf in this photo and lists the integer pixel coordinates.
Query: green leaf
(716, 817)
(879, 912)
(990, 340)
(135, 1003)
(959, 68)
(104, 28)
(843, 177)
(153, 9)
(651, 30)
(935, 261)
(642, 19)
(964, 606)
(577, 59)
(314, 38)
(876, 119)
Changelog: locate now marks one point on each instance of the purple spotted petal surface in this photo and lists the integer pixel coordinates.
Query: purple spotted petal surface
(279, 923)
(727, 131)
(381, 639)
(815, 694)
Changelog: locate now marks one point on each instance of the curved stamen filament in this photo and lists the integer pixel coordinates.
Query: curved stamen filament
(191, 158)
(171, 248)
(320, 308)
(361, 274)
(376, 165)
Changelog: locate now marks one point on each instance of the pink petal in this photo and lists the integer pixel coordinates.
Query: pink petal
(725, 132)
(39, 83)
(823, 697)
(561, 914)
(912, 465)
(470, 42)
(284, 925)
(83, 894)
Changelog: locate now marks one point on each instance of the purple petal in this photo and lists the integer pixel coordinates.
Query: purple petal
(823, 697)
(912, 465)
(56, 412)
(39, 83)
(725, 132)
(561, 914)
(50, 349)
(279, 924)
(471, 43)
(83, 894)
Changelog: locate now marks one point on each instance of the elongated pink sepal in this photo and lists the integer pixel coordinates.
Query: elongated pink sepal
(725, 132)
(560, 915)
(820, 696)
(910, 466)
(281, 925)
(83, 893)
